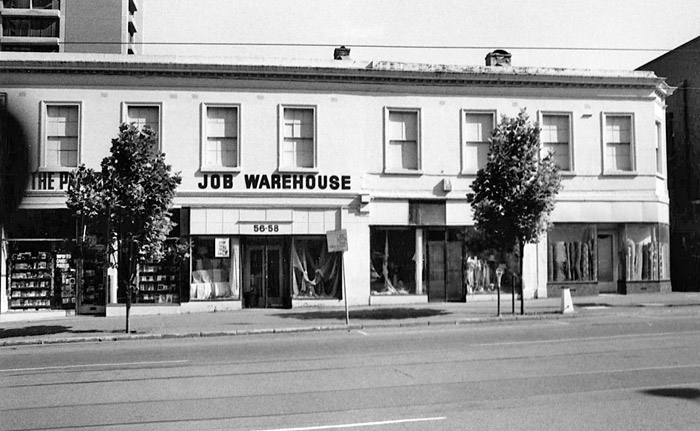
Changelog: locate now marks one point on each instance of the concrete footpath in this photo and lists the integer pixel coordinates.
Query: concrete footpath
(72, 329)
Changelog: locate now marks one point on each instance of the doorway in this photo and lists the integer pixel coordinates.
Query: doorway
(606, 262)
(263, 277)
(445, 278)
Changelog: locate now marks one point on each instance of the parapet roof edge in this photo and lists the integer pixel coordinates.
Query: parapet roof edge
(178, 64)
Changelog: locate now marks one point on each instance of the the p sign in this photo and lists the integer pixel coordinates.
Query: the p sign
(337, 240)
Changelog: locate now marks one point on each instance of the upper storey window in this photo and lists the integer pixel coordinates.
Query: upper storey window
(61, 137)
(556, 138)
(220, 148)
(659, 149)
(144, 115)
(13, 26)
(618, 137)
(32, 4)
(402, 141)
(298, 138)
(477, 130)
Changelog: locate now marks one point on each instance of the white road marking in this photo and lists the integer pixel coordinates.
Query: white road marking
(363, 333)
(358, 425)
(582, 339)
(62, 367)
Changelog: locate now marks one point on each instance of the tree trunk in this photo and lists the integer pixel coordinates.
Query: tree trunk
(521, 259)
(127, 285)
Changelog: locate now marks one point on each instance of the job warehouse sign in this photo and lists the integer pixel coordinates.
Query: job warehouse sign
(275, 182)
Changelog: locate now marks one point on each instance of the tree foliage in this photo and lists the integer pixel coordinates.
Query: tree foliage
(515, 192)
(132, 193)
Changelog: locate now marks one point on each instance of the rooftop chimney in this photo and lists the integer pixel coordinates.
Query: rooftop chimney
(498, 57)
(341, 53)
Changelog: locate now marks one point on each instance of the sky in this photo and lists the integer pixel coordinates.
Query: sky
(588, 34)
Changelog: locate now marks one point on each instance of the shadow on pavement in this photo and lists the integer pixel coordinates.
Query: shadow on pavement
(377, 314)
(682, 393)
(40, 330)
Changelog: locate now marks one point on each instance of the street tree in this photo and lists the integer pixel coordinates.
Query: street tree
(131, 196)
(514, 194)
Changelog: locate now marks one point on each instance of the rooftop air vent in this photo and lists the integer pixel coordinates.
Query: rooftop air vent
(498, 57)
(341, 53)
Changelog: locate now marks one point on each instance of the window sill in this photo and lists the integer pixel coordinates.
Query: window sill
(571, 282)
(297, 170)
(403, 172)
(620, 173)
(55, 169)
(218, 169)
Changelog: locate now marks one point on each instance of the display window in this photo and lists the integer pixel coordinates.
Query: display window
(664, 252)
(40, 258)
(317, 272)
(481, 264)
(159, 281)
(645, 254)
(572, 253)
(480, 274)
(392, 267)
(92, 266)
(215, 273)
(41, 275)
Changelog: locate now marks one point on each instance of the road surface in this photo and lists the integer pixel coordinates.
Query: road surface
(621, 372)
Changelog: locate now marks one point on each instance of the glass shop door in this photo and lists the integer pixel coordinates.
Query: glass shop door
(607, 277)
(444, 255)
(263, 277)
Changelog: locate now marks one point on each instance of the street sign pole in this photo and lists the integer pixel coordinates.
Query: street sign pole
(338, 241)
(512, 284)
(345, 290)
(499, 274)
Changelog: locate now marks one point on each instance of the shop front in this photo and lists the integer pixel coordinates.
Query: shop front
(434, 264)
(44, 267)
(590, 259)
(264, 271)
(425, 264)
(263, 258)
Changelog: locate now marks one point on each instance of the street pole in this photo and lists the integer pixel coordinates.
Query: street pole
(522, 299)
(512, 291)
(499, 274)
(345, 290)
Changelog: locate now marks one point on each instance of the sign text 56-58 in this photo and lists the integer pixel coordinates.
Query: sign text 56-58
(266, 228)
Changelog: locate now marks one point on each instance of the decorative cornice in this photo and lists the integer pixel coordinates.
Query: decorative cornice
(351, 72)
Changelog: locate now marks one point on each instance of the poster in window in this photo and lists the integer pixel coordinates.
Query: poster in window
(337, 240)
(221, 247)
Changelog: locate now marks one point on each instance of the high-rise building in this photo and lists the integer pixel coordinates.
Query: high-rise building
(110, 27)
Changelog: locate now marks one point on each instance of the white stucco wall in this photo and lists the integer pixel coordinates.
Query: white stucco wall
(350, 141)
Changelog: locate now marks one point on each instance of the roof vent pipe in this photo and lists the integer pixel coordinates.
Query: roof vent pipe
(498, 57)
(341, 53)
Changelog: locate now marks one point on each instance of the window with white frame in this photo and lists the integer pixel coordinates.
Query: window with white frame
(659, 146)
(220, 140)
(556, 138)
(298, 146)
(402, 140)
(32, 4)
(478, 127)
(144, 115)
(61, 136)
(618, 137)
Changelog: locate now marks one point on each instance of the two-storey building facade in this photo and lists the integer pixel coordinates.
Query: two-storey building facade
(275, 154)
